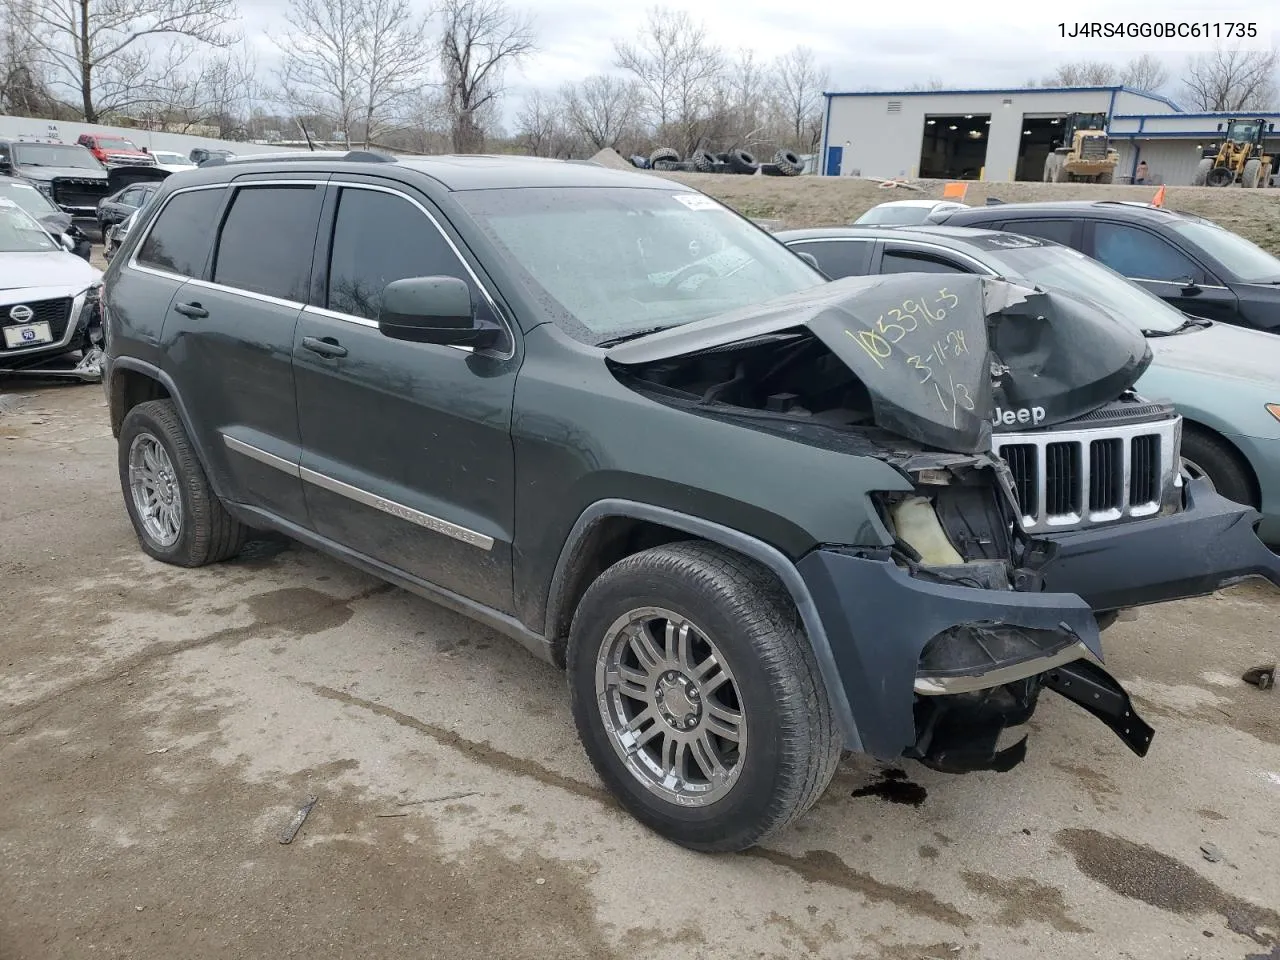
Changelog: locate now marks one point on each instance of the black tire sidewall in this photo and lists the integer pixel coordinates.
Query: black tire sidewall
(140, 421)
(730, 822)
(1220, 465)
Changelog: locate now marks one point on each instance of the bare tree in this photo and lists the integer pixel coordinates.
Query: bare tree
(219, 92)
(479, 39)
(103, 51)
(677, 69)
(798, 85)
(353, 62)
(602, 109)
(933, 83)
(1146, 73)
(542, 128)
(1229, 80)
(1083, 73)
(23, 91)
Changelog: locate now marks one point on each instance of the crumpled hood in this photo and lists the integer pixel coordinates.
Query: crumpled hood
(43, 274)
(939, 354)
(49, 173)
(1222, 350)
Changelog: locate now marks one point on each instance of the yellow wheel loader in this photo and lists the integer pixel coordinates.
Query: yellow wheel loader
(1083, 153)
(1240, 158)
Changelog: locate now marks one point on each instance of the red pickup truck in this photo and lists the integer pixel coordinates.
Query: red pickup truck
(114, 151)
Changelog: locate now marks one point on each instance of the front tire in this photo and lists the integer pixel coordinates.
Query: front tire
(1204, 455)
(1202, 172)
(175, 513)
(697, 697)
(1249, 177)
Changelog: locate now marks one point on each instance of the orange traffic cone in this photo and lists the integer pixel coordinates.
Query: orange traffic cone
(1158, 201)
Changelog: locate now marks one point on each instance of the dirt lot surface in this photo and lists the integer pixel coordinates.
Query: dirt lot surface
(159, 727)
(834, 201)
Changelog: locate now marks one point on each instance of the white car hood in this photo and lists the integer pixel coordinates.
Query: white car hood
(54, 271)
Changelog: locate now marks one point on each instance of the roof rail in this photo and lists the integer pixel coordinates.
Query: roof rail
(349, 156)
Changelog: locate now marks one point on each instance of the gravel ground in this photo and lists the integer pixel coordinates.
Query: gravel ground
(159, 727)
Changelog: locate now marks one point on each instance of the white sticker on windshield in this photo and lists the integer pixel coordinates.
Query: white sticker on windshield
(6, 202)
(697, 201)
(22, 186)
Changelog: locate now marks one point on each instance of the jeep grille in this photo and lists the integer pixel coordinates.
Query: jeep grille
(1079, 478)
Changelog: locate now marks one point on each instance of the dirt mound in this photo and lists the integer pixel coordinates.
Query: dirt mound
(608, 157)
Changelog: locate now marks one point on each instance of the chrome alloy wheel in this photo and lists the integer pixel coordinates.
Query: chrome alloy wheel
(671, 707)
(154, 486)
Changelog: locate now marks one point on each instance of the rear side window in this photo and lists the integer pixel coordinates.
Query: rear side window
(1139, 255)
(1059, 231)
(267, 239)
(904, 261)
(838, 258)
(179, 241)
(377, 238)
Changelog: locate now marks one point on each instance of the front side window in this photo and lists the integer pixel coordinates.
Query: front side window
(179, 241)
(614, 262)
(381, 237)
(1248, 261)
(1139, 254)
(266, 241)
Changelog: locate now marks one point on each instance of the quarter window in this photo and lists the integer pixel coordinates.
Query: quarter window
(1140, 255)
(179, 241)
(378, 238)
(266, 241)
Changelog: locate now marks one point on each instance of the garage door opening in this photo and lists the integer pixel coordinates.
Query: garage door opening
(954, 146)
(1039, 136)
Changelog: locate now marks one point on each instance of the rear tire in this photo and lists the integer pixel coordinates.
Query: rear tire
(1220, 177)
(788, 163)
(763, 690)
(1204, 454)
(742, 162)
(704, 161)
(175, 513)
(1249, 177)
(1201, 176)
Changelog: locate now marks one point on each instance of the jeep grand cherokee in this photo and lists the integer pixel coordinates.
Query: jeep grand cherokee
(755, 516)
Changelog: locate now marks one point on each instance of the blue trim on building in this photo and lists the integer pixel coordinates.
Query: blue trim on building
(1239, 115)
(1111, 108)
(1175, 134)
(821, 165)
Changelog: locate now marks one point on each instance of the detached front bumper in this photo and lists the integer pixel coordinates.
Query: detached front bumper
(879, 619)
(1211, 544)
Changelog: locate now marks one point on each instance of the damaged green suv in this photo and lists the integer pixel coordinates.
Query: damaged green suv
(757, 517)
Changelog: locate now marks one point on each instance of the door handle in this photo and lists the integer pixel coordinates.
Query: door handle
(191, 310)
(325, 346)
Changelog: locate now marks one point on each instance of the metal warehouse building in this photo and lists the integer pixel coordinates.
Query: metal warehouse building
(1006, 134)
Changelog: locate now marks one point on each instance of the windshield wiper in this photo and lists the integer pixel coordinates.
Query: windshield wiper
(1191, 323)
(636, 335)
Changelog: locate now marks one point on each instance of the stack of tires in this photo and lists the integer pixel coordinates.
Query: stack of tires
(785, 163)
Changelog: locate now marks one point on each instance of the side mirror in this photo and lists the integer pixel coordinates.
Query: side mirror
(68, 244)
(432, 310)
(809, 258)
(1189, 286)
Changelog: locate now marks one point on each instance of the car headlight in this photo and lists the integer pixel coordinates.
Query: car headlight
(1274, 410)
(45, 188)
(93, 294)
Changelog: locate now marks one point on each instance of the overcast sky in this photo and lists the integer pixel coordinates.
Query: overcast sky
(865, 45)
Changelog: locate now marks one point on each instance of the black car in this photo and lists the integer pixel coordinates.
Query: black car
(1194, 264)
(59, 224)
(120, 205)
(608, 417)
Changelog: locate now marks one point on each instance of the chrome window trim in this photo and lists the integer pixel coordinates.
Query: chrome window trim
(937, 248)
(1176, 283)
(453, 247)
(797, 242)
(391, 507)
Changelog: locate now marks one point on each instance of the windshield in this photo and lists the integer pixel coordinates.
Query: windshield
(1072, 272)
(1243, 132)
(115, 143)
(1249, 262)
(621, 261)
(895, 215)
(19, 233)
(173, 159)
(27, 197)
(54, 155)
